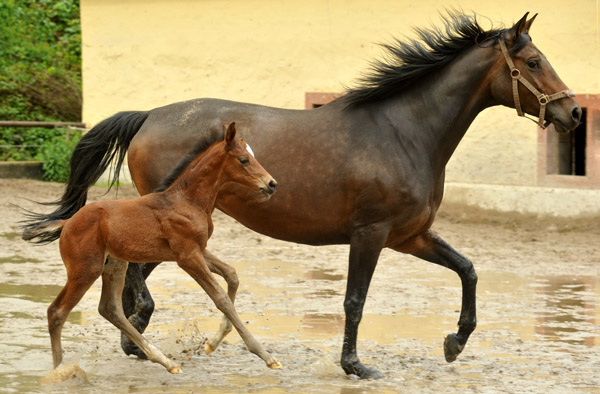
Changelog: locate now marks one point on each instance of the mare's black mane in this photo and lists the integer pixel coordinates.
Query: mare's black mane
(409, 61)
(196, 150)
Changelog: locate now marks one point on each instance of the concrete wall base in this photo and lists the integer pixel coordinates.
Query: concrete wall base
(530, 200)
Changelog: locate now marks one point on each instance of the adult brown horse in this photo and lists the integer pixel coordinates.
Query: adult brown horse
(173, 224)
(366, 169)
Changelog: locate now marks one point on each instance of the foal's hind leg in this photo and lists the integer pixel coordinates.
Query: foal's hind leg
(113, 280)
(196, 266)
(228, 273)
(431, 247)
(79, 280)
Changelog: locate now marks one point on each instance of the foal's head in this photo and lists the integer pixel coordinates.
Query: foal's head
(242, 167)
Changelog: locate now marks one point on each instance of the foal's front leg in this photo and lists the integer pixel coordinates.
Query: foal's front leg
(113, 280)
(195, 265)
(228, 273)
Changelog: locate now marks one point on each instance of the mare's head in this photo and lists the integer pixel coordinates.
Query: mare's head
(525, 80)
(242, 167)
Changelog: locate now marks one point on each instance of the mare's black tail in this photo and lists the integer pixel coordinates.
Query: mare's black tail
(107, 141)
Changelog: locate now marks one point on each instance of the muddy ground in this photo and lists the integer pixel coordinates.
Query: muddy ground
(538, 313)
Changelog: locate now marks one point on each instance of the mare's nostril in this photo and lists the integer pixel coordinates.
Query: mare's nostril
(576, 114)
(272, 185)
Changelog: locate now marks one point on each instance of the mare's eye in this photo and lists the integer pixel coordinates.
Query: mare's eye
(244, 161)
(533, 64)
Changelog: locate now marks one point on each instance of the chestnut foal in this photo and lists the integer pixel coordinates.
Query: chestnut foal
(172, 224)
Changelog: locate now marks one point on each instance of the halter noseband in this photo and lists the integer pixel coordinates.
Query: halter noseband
(542, 98)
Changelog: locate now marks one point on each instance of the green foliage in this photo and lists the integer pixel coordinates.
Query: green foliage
(40, 77)
(56, 155)
(40, 60)
(25, 143)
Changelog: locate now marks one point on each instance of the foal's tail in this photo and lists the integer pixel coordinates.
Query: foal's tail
(105, 142)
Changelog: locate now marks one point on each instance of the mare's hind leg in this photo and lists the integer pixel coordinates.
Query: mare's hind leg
(79, 280)
(137, 304)
(228, 273)
(431, 247)
(113, 280)
(195, 265)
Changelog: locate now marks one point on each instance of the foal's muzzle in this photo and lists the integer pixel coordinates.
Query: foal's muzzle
(270, 188)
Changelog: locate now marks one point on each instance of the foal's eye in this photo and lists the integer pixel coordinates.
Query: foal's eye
(533, 64)
(244, 161)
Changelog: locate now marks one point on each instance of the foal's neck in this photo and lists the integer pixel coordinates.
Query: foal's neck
(202, 179)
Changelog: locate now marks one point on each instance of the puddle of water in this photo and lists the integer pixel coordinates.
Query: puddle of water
(36, 293)
(11, 235)
(568, 314)
(558, 311)
(15, 259)
(323, 274)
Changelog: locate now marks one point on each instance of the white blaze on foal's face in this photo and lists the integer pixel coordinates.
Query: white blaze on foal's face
(250, 150)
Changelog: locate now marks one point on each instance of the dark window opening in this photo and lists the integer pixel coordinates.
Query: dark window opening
(572, 159)
(571, 150)
(566, 151)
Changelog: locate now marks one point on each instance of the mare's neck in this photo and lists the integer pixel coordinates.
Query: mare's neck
(440, 109)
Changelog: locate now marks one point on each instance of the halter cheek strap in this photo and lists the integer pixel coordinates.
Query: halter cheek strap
(542, 98)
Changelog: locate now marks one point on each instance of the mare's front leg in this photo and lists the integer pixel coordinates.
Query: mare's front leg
(113, 280)
(429, 246)
(137, 304)
(365, 247)
(194, 264)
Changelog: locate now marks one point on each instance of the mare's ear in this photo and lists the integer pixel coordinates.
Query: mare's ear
(522, 26)
(529, 23)
(229, 134)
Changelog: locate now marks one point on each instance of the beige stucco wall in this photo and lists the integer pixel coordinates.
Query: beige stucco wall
(140, 54)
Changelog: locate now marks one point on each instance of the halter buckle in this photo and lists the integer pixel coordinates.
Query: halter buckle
(543, 99)
(515, 73)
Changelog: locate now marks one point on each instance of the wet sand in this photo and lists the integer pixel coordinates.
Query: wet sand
(538, 313)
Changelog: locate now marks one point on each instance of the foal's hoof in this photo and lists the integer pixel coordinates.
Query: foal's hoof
(452, 347)
(208, 349)
(175, 370)
(275, 365)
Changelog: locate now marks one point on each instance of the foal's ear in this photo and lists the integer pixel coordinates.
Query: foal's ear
(229, 134)
(522, 26)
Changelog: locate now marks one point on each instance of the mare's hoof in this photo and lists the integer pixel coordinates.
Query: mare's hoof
(175, 370)
(359, 369)
(208, 349)
(131, 348)
(275, 365)
(452, 347)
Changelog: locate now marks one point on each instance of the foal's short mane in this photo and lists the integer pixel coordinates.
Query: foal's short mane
(411, 60)
(197, 149)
